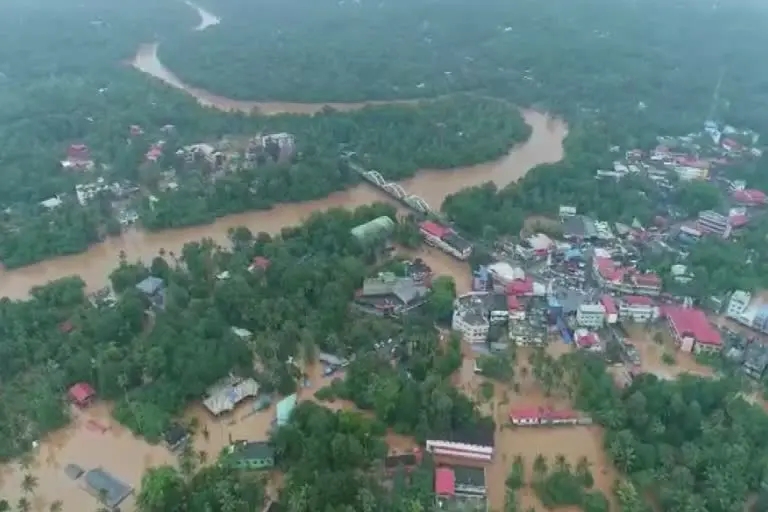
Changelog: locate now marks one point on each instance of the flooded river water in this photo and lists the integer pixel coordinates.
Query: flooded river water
(110, 445)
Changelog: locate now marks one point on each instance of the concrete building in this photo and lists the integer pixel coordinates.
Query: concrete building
(246, 455)
(474, 313)
(690, 173)
(460, 488)
(738, 304)
(389, 294)
(714, 223)
(51, 203)
(591, 315)
(637, 308)
(476, 444)
(691, 330)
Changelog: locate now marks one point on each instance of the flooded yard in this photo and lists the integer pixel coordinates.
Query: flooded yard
(652, 354)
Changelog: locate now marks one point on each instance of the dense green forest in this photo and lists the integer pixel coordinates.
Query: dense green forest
(645, 66)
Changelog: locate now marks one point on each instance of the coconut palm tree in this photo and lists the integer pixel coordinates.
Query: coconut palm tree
(56, 506)
(560, 462)
(23, 505)
(5, 506)
(540, 465)
(29, 483)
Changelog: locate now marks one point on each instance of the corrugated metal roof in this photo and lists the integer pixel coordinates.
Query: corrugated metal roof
(377, 226)
(284, 409)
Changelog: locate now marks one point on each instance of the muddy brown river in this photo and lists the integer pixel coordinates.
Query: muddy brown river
(110, 445)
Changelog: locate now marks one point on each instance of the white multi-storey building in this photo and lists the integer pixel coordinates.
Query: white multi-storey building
(591, 315)
(738, 304)
(636, 308)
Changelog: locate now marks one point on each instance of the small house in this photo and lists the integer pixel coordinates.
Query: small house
(82, 394)
(259, 263)
(248, 455)
(407, 461)
(175, 437)
(154, 289)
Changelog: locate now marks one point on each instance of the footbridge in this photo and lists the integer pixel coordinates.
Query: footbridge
(395, 190)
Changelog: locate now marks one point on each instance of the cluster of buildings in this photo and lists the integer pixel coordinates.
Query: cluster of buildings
(748, 310)
(78, 157)
(502, 297)
(584, 284)
(696, 156)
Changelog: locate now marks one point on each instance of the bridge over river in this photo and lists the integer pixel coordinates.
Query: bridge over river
(395, 190)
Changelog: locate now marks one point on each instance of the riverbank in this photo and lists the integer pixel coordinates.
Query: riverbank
(544, 146)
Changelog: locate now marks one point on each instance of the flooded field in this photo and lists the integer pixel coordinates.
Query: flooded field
(573, 442)
(95, 439)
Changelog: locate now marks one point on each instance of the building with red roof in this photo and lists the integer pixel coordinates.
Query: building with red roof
(611, 312)
(543, 416)
(155, 152)
(445, 239)
(82, 394)
(78, 153)
(588, 341)
(749, 197)
(431, 228)
(259, 262)
(460, 488)
(521, 287)
(691, 329)
(78, 158)
(625, 279)
(738, 221)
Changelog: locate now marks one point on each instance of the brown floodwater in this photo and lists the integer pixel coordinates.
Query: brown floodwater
(95, 439)
(573, 442)
(94, 265)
